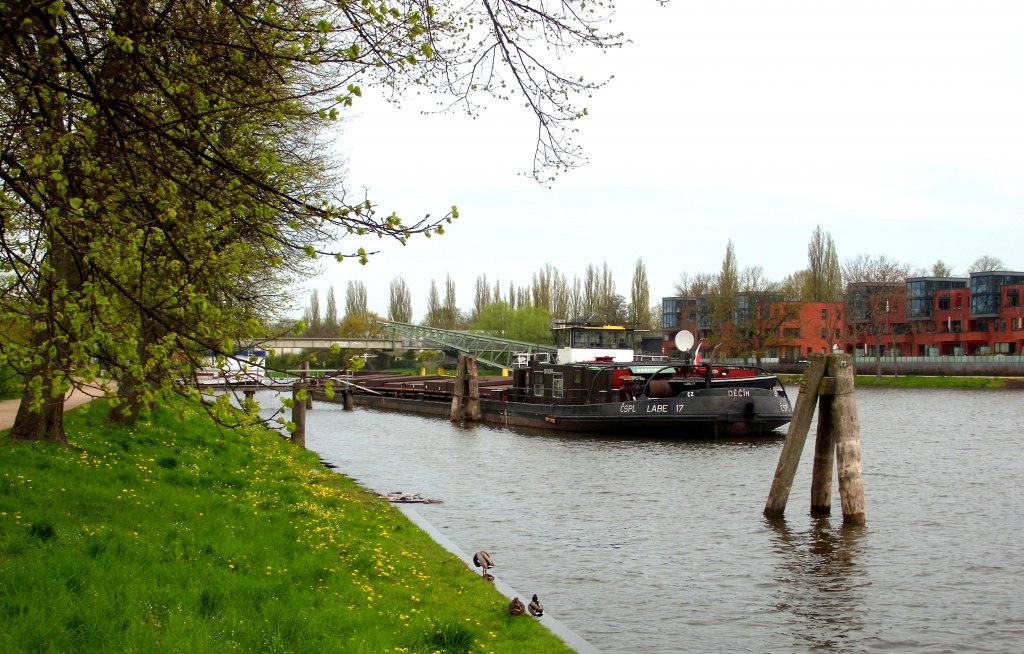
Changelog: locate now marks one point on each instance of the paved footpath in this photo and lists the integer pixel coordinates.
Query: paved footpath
(9, 408)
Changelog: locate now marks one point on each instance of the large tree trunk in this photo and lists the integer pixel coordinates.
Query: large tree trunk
(51, 341)
(46, 423)
(132, 391)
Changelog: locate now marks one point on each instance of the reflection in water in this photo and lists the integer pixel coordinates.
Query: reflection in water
(816, 582)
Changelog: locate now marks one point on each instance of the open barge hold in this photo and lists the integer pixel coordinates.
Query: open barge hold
(596, 387)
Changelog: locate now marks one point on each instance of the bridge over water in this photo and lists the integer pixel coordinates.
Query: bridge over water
(489, 350)
(295, 344)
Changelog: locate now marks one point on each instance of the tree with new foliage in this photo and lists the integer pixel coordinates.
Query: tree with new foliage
(941, 269)
(640, 313)
(481, 296)
(727, 288)
(449, 309)
(357, 302)
(823, 281)
(400, 301)
(529, 323)
(163, 182)
(331, 314)
(434, 314)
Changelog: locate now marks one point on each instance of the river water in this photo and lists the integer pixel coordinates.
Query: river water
(658, 546)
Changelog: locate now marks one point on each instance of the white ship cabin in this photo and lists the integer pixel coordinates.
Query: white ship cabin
(244, 366)
(606, 343)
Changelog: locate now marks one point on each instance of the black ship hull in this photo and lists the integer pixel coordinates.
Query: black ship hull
(701, 413)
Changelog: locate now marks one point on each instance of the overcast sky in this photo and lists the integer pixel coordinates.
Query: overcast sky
(896, 125)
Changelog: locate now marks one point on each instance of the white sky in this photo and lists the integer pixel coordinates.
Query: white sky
(896, 125)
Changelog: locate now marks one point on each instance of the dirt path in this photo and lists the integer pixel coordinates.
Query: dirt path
(9, 408)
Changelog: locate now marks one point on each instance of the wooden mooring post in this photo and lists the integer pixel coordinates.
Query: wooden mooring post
(304, 375)
(299, 413)
(829, 382)
(466, 394)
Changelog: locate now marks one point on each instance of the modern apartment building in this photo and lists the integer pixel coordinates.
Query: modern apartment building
(920, 317)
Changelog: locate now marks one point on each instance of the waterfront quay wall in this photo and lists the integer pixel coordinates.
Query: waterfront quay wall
(948, 366)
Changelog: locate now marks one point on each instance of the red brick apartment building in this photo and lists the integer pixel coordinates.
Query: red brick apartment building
(796, 328)
(950, 316)
(921, 317)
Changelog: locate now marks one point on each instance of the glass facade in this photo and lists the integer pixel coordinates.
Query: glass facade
(985, 290)
(921, 290)
(671, 312)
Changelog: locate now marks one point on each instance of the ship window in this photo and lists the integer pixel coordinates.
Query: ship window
(538, 389)
(556, 385)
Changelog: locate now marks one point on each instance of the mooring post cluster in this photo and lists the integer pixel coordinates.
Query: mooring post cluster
(829, 383)
(466, 394)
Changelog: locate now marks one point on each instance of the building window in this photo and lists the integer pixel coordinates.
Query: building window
(791, 332)
(824, 314)
(943, 303)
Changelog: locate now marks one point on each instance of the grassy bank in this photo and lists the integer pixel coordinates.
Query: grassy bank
(177, 537)
(912, 381)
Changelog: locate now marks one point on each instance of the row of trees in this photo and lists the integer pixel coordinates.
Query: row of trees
(520, 312)
(152, 151)
(754, 307)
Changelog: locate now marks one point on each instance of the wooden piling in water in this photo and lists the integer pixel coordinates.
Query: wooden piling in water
(304, 374)
(829, 382)
(847, 427)
(793, 446)
(299, 413)
(466, 394)
(824, 448)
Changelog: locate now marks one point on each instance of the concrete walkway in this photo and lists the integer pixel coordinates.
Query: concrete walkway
(78, 397)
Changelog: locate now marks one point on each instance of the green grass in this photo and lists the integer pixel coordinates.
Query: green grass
(177, 537)
(922, 381)
(917, 381)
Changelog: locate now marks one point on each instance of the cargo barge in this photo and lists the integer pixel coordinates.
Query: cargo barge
(597, 385)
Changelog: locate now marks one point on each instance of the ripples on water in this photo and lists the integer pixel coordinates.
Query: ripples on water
(661, 546)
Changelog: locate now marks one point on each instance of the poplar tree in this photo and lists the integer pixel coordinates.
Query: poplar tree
(330, 324)
(823, 281)
(640, 313)
(434, 315)
(400, 303)
(312, 317)
(481, 297)
(449, 310)
(724, 304)
(356, 299)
